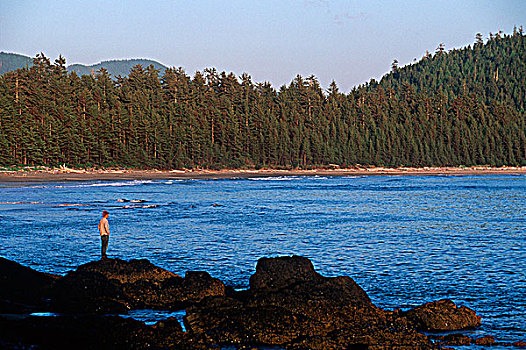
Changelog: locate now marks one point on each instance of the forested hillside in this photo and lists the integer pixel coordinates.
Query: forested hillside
(115, 67)
(464, 107)
(495, 71)
(13, 61)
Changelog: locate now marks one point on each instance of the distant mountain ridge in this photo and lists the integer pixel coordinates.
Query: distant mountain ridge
(115, 67)
(13, 61)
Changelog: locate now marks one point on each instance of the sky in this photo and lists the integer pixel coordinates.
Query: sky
(347, 41)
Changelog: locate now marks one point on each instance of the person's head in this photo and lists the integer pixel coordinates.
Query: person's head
(105, 214)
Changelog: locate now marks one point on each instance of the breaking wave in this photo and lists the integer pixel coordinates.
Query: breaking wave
(108, 184)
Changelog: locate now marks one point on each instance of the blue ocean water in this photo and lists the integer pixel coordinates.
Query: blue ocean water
(406, 240)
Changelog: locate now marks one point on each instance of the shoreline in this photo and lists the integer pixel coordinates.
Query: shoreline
(215, 315)
(66, 174)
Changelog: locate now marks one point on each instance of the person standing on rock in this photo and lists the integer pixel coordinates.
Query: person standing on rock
(104, 229)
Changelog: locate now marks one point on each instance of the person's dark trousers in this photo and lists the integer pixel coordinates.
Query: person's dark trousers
(104, 244)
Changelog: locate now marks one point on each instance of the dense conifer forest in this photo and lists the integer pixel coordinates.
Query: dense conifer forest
(12, 61)
(462, 107)
(115, 67)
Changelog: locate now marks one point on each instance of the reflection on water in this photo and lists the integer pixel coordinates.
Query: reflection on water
(405, 240)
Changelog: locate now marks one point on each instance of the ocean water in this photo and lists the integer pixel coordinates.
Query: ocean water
(406, 240)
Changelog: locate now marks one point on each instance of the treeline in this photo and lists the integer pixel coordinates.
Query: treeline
(494, 72)
(464, 107)
(115, 67)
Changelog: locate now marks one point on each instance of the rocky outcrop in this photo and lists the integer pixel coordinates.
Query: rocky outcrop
(174, 293)
(486, 340)
(89, 292)
(442, 315)
(276, 273)
(457, 339)
(92, 332)
(116, 286)
(290, 305)
(22, 289)
(128, 271)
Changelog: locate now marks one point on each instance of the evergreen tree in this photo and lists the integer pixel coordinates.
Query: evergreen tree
(462, 107)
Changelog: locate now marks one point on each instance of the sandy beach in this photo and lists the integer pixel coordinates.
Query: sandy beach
(67, 174)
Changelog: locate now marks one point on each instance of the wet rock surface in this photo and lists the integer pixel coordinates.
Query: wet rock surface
(288, 306)
(127, 271)
(23, 289)
(92, 332)
(88, 292)
(486, 340)
(457, 339)
(116, 286)
(175, 293)
(442, 315)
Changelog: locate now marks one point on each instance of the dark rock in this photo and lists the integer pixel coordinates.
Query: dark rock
(290, 305)
(174, 293)
(519, 344)
(228, 321)
(294, 278)
(128, 271)
(89, 292)
(277, 273)
(442, 315)
(197, 285)
(486, 340)
(454, 339)
(115, 286)
(91, 332)
(22, 288)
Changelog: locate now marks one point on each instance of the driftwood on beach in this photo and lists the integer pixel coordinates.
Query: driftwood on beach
(288, 305)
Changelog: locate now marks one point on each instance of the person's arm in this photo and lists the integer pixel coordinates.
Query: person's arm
(107, 227)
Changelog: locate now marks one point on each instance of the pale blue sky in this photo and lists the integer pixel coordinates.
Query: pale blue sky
(345, 40)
